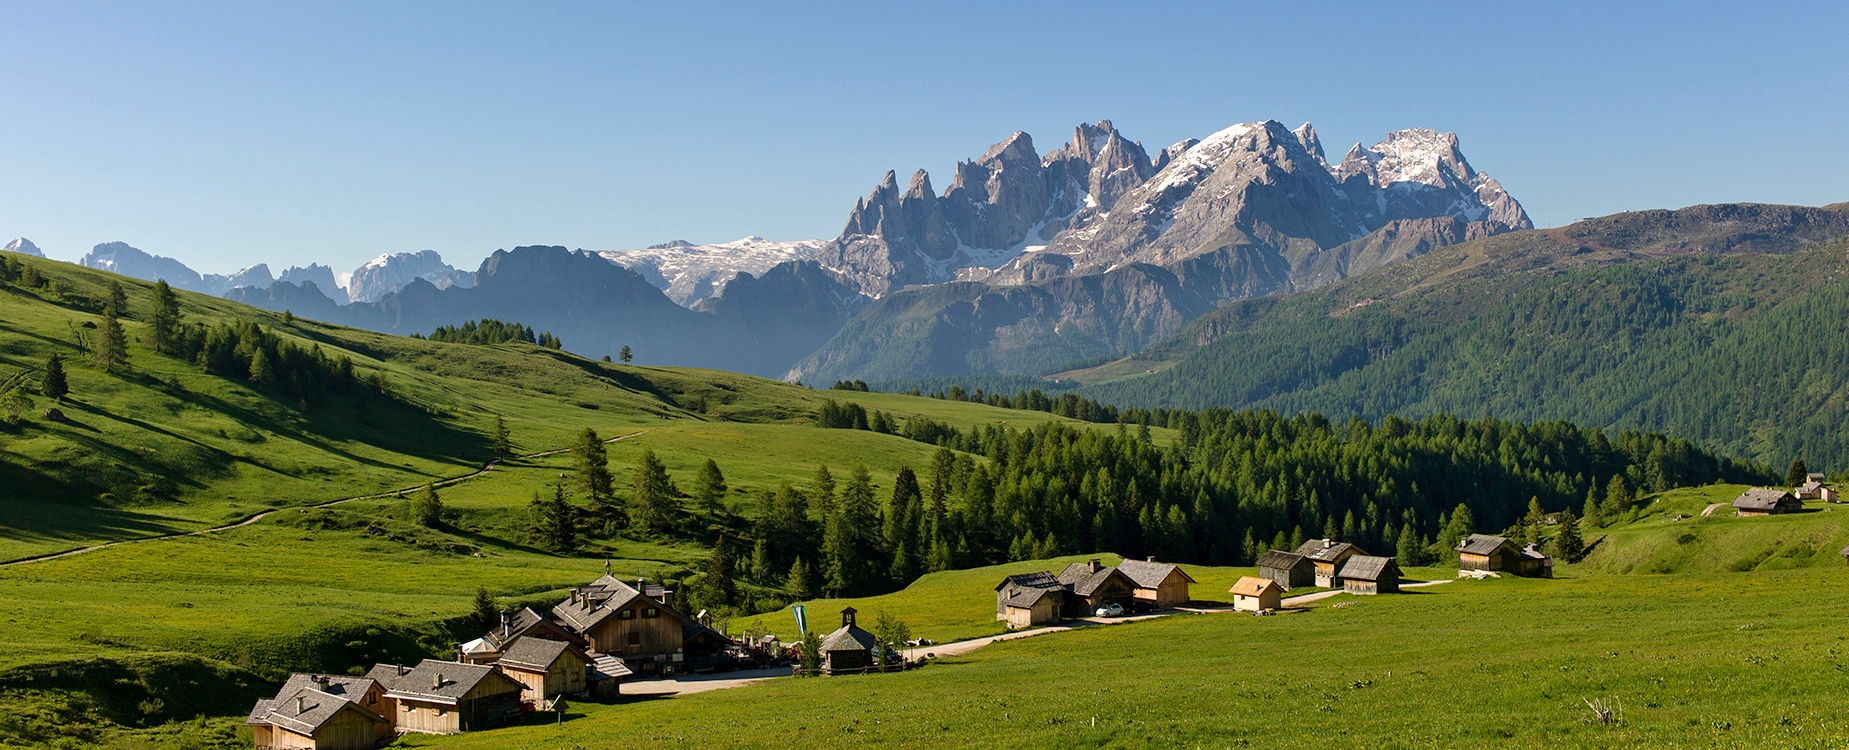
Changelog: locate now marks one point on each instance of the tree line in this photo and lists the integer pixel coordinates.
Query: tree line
(491, 331)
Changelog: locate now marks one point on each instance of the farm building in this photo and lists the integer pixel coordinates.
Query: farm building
(1535, 563)
(1094, 585)
(848, 648)
(1815, 476)
(1016, 584)
(1288, 569)
(1486, 552)
(1364, 574)
(322, 711)
(1252, 594)
(1761, 501)
(1162, 583)
(546, 667)
(1329, 557)
(1815, 490)
(446, 697)
(515, 625)
(1028, 607)
(604, 676)
(638, 623)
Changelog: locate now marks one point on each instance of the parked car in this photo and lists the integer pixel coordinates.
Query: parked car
(1141, 607)
(1111, 610)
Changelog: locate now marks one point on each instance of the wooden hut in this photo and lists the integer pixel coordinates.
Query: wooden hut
(446, 697)
(1253, 594)
(848, 649)
(1329, 556)
(1288, 569)
(1015, 584)
(1365, 574)
(603, 677)
(1028, 607)
(1486, 552)
(616, 618)
(546, 667)
(1094, 585)
(1162, 583)
(322, 711)
(1763, 501)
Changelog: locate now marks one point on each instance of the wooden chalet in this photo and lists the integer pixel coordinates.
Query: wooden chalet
(1365, 574)
(327, 712)
(1018, 583)
(446, 697)
(1763, 501)
(637, 623)
(1094, 585)
(849, 648)
(1329, 556)
(516, 625)
(547, 668)
(1288, 569)
(1028, 607)
(1486, 552)
(1253, 594)
(1162, 583)
(1815, 490)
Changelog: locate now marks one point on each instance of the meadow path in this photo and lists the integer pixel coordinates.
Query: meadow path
(1709, 511)
(255, 517)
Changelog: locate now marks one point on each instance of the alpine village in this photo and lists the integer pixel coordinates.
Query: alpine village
(386, 376)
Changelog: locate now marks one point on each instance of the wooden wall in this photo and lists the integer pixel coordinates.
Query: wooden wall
(655, 635)
(434, 718)
(1173, 590)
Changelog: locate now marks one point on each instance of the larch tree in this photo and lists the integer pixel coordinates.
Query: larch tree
(115, 301)
(487, 611)
(110, 348)
(592, 466)
(822, 490)
(709, 489)
(1798, 474)
(54, 385)
(503, 441)
(164, 319)
(427, 506)
(625, 354)
(651, 498)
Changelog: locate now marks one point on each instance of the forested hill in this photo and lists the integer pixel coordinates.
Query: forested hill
(1720, 324)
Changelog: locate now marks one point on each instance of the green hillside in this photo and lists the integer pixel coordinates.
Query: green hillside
(1720, 324)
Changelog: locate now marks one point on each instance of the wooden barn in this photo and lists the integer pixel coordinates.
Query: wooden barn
(604, 676)
(1094, 585)
(1015, 584)
(615, 618)
(1028, 607)
(446, 697)
(1762, 501)
(848, 649)
(1288, 569)
(1253, 594)
(1365, 574)
(1329, 556)
(322, 711)
(547, 668)
(1162, 583)
(514, 625)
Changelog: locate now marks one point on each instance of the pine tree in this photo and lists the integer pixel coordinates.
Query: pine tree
(822, 487)
(262, 371)
(709, 489)
(487, 612)
(625, 354)
(592, 467)
(115, 302)
(651, 498)
(1535, 515)
(900, 509)
(1567, 543)
(53, 385)
(1591, 511)
(1408, 552)
(110, 349)
(1798, 474)
(1617, 497)
(164, 319)
(288, 318)
(503, 441)
(1462, 524)
(427, 506)
(559, 521)
(799, 583)
(761, 563)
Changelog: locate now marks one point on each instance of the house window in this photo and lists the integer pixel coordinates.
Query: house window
(628, 614)
(651, 612)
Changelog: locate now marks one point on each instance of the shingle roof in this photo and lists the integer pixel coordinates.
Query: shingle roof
(304, 710)
(534, 653)
(1812, 486)
(1761, 498)
(1082, 581)
(1481, 544)
(848, 638)
(1280, 560)
(1368, 568)
(1531, 553)
(1324, 550)
(513, 626)
(603, 598)
(442, 681)
(605, 667)
(1253, 586)
(1149, 575)
(1029, 597)
(385, 674)
(1040, 580)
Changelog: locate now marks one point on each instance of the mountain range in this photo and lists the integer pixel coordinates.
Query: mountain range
(1024, 262)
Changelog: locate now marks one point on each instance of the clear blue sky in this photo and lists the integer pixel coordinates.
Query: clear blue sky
(226, 134)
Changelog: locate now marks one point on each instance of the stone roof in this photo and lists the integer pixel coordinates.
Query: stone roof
(1280, 560)
(1481, 544)
(304, 710)
(436, 681)
(1150, 574)
(849, 638)
(1040, 580)
(1253, 586)
(1368, 568)
(536, 654)
(1327, 550)
(1762, 498)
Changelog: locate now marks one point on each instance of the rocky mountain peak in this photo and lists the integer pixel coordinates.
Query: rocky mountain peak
(1017, 147)
(24, 246)
(1306, 135)
(671, 244)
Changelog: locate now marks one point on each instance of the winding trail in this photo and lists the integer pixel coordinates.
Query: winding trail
(1709, 511)
(255, 517)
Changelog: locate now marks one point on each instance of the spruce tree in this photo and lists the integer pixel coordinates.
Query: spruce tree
(709, 489)
(800, 583)
(1462, 524)
(503, 441)
(1591, 511)
(487, 612)
(761, 562)
(53, 385)
(164, 319)
(559, 521)
(262, 371)
(822, 487)
(110, 348)
(427, 506)
(901, 509)
(1798, 474)
(651, 497)
(592, 466)
(1617, 498)
(1567, 542)
(1408, 552)
(115, 301)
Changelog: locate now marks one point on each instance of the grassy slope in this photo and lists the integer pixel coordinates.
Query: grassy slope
(1671, 535)
(1494, 663)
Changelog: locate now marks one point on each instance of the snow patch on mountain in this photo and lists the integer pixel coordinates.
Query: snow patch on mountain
(689, 273)
(24, 246)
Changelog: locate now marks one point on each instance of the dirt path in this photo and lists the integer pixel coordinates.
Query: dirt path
(963, 647)
(1709, 511)
(687, 684)
(255, 517)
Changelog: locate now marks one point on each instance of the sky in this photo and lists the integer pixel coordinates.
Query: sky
(228, 134)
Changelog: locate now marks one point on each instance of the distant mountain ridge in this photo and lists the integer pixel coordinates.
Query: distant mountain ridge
(690, 273)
